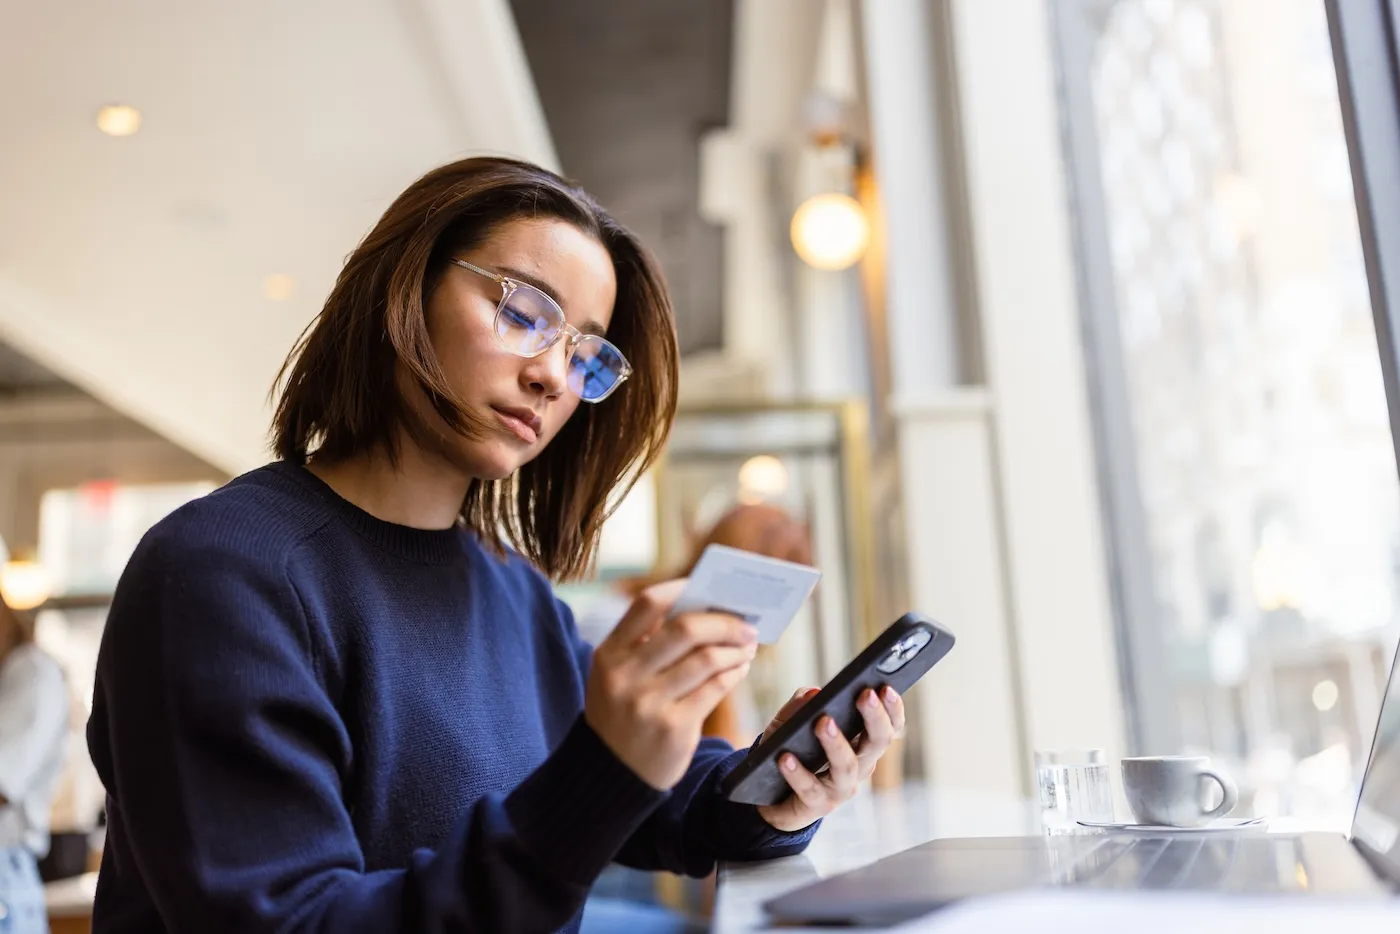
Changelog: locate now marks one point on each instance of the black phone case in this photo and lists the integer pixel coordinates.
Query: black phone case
(757, 779)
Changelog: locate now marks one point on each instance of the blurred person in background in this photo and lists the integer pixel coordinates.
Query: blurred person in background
(339, 694)
(33, 740)
(74, 831)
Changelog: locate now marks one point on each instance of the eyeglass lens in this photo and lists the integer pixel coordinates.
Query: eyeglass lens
(529, 322)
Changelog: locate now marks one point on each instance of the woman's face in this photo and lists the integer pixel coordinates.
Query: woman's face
(524, 400)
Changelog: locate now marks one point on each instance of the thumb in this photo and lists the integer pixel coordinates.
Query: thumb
(647, 612)
(793, 705)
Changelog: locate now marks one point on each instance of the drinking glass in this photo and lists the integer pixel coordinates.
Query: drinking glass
(1073, 785)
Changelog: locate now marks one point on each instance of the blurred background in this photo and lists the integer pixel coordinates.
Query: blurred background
(1047, 319)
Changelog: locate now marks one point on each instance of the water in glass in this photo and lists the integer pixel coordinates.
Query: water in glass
(1073, 786)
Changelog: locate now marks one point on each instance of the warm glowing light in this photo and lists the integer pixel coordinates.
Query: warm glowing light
(830, 231)
(762, 477)
(25, 583)
(118, 120)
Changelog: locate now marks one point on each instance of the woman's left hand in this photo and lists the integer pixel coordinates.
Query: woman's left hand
(815, 796)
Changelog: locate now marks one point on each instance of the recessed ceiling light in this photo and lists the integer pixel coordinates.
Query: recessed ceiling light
(118, 120)
(279, 286)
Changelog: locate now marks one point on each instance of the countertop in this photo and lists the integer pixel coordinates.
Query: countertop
(871, 826)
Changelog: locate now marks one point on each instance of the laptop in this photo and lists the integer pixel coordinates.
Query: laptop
(928, 877)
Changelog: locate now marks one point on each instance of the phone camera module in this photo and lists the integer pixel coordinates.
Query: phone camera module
(903, 650)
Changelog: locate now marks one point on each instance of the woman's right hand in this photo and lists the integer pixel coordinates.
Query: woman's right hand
(654, 680)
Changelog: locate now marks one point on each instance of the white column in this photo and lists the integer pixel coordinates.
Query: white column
(968, 710)
(1030, 330)
(904, 120)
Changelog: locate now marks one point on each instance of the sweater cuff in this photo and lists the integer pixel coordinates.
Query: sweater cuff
(746, 835)
(580, 806)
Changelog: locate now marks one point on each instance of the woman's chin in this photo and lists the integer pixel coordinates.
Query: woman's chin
(494, 460)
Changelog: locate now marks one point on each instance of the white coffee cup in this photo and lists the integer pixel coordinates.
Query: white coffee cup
(1167, 790)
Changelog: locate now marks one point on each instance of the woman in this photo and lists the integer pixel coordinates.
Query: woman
(33, 735)
(337, 694)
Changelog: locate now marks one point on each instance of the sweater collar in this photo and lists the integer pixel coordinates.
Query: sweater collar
(425, 546)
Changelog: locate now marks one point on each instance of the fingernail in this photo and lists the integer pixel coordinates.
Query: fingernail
(868, 699)
(788, 763)
(829, 726)
(890, 695)
(750, 633)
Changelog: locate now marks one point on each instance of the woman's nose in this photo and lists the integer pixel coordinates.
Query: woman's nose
(548, 374)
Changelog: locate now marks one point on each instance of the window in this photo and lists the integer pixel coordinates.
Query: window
(87, 534)
(1246, 451)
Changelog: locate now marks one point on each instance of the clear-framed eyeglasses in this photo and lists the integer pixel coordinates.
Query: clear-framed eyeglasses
(529, 322)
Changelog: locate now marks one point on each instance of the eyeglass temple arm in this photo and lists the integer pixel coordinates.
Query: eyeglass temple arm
(494, 276)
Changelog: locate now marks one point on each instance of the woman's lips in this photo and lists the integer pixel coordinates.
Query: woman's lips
(523, 423)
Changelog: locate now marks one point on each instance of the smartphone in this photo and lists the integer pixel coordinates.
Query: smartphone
(898, 657)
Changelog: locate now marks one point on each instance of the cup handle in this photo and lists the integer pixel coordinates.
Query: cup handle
(1227, 787)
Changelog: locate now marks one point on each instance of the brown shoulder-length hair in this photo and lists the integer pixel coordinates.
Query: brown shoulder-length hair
(342, 386)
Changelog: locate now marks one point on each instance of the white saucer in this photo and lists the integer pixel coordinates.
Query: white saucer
(1220, 825)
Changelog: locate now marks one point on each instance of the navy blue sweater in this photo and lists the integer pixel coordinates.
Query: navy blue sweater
(308, 719)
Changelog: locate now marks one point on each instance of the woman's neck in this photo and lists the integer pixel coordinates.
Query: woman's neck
(421, 492)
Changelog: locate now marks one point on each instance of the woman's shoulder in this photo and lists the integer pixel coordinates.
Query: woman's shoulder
(223, 569)
(259, 518)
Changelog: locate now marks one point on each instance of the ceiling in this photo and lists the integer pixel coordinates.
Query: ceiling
(628, 87)
(273, 135)
(19, 374)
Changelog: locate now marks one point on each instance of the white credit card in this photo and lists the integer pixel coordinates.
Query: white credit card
(766, 592)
